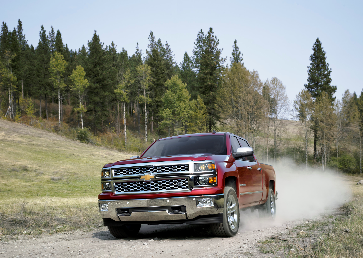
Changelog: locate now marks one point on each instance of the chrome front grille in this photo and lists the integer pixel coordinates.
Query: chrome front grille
(163, 185)
(137, 170)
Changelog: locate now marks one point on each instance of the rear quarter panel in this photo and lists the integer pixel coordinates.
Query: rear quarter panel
(269, 175)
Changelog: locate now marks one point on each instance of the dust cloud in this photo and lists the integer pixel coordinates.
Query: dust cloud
(302, 194)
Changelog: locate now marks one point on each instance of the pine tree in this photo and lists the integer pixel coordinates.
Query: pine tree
(161, 61)
(81, 57)
(100, 90)
(208, 63)
(21, 37)
(236, 54)
(58, 43)
(4, 40)
(42, 69)
(158, 78)
(23, 64)
(319, 81)
(134, 89)
(188, 76)
(51, 39)
(30, 77)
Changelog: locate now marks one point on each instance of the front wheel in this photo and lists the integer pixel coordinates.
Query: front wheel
(125, 230)
(231, 215)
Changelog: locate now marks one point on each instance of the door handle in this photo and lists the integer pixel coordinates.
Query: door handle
(249, 168)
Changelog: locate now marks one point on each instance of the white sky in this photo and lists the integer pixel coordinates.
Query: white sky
(275, 37)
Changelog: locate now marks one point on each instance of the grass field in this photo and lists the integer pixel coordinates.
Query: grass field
(48, 183)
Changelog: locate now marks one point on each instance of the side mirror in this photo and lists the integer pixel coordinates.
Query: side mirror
(135, 157)
(243, 152)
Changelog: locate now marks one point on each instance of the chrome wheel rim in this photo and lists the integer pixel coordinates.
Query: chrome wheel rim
(272, 206)
(232, 213)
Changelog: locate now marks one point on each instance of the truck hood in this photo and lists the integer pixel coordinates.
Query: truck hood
(194, 157)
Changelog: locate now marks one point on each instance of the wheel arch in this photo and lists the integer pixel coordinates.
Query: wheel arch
(232, 182)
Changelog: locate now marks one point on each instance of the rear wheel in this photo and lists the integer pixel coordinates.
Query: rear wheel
(269, 208)
(125, 230)
(231, 215)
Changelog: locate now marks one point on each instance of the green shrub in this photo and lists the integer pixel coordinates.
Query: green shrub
(84, 135)
(347, 163)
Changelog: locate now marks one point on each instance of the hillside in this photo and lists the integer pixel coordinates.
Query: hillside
(46, 180)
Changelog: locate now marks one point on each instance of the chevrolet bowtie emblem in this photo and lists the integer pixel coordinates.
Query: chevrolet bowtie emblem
(147, 177)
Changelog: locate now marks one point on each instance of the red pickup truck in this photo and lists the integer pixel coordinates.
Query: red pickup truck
(195, 179)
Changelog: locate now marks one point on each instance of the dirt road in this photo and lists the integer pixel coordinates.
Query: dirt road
(153, 241)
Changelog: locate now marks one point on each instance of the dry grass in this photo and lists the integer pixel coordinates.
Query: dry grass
(337, 235)
(20, 216)
(48, 183)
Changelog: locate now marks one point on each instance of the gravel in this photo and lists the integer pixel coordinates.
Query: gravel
(153, 241)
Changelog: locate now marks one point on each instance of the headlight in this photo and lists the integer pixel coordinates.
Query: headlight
(106, 173)
(208, 176)
(201, 167)
(203, 180)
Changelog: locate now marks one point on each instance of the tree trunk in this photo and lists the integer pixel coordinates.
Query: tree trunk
(323, 157)
(80, 106)
(46, 107)
(59, 107)
(138, 118)
(360, 153)
(40, 106)
(152, 122)
(145, 117)
(118, 117)
(125, 125)
(275, 140)
(267, 138)
(315, 140)
(306, 146)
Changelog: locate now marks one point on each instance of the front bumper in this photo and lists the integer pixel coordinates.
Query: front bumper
(160, 209)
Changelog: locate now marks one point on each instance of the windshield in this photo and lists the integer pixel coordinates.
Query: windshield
(208, 144)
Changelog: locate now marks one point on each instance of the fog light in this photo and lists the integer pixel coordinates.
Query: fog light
(205, 202)
(106, 186)
(104, 207)
(203, 180)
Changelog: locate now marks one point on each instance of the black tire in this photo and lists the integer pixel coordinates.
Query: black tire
(231, 215)
(125, 230)
(269, 208)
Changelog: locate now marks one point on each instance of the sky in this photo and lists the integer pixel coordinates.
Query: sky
(275, 36)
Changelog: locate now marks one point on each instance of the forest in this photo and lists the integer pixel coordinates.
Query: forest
(100, 95)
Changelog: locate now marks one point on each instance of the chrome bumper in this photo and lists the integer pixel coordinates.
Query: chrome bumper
(159, 209)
